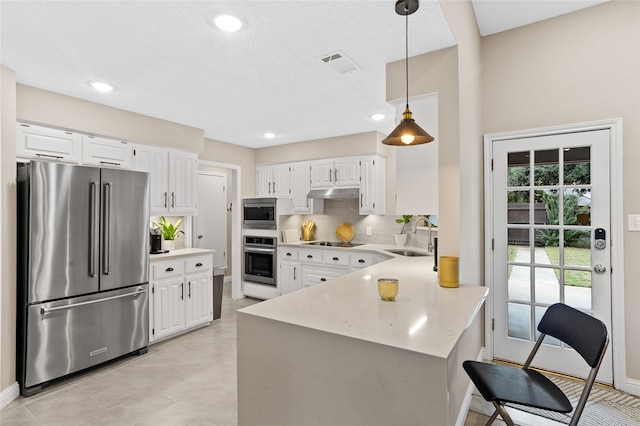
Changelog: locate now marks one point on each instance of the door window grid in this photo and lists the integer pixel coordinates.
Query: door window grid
(558, 186)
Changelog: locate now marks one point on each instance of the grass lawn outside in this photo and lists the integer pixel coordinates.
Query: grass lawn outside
(572, 257)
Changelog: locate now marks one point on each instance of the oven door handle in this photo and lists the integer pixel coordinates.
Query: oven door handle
(259, 250)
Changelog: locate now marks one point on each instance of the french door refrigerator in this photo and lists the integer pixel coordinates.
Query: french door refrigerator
(83, 255)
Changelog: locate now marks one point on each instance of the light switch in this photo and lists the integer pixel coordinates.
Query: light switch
(369, 233)
(634, 222)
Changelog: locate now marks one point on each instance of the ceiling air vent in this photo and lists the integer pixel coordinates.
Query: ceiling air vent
(340, 62)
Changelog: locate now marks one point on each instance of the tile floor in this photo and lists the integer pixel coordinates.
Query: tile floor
(188, 380)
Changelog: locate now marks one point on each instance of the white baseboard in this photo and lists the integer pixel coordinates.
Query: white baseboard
(632, 387)
(466, 403)
(9, 394)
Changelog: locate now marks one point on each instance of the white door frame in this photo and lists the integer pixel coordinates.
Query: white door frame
(236, 225)
(614, 126)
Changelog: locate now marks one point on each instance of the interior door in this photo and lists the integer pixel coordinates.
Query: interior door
(211, 223)
(551, 242)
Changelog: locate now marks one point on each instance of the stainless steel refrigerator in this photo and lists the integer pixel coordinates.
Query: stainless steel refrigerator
(83, 255)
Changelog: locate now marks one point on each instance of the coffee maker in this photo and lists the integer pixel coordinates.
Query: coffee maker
(155, 241)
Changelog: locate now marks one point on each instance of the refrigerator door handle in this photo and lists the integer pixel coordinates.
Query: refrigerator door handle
(106, 217)
(95, 228)
(45, 311)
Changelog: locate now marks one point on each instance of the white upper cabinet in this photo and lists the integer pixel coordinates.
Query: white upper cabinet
(183, 183)
(43, 142)
(173, 179)
(155, 161)
(339, 172)
(273, 181)
(300, 177)
(106, 152)
(372, 173)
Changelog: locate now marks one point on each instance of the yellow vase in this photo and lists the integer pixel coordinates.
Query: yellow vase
(388, 288)
(448, 272)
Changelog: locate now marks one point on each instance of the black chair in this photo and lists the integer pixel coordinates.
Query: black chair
(502, 384)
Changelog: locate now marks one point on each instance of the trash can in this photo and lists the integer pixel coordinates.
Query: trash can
(218, 282)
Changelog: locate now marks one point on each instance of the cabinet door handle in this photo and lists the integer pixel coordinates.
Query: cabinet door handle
(189, 289)
(330, 174)
(335, 175)
(361, 260)
(309, 256)
(173, 199)
(336, 258)
(294, 273)
(274, 186)
(269, 187)
(198, 265)
(323, 279)
(169, 269)
(165, 199)
(361, 199)
(182, 290)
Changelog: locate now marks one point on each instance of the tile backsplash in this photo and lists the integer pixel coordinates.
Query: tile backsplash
(338, 211)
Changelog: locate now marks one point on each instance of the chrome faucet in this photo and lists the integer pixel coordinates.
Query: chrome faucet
(427, 223)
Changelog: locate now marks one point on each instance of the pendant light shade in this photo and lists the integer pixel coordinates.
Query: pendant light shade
(407, 133)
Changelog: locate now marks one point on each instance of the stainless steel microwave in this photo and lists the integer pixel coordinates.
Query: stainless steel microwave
(259, 213)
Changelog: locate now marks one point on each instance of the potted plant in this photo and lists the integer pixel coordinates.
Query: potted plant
(583, 215)
(169, 232)
(401, 238)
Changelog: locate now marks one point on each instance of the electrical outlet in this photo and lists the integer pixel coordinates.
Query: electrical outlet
(369, 233)
(634, 222)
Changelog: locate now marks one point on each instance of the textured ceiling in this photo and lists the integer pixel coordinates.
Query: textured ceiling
(167, 61)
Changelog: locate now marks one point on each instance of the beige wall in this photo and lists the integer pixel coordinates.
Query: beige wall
(580, 67)
(53, 109)
(242, 156)
(8, 220)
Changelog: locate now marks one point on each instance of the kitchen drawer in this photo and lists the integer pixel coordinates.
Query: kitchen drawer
(335, 258)
(168, 269)
(195, 264)
(361, 260)
(316, 275)
(287, 253)
(310, 256)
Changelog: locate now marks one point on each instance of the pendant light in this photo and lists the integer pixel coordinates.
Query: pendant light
(407, 133)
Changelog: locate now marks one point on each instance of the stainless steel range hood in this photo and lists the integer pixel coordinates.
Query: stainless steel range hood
(334, 193)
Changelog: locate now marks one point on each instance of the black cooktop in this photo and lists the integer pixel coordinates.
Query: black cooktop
(333, 244)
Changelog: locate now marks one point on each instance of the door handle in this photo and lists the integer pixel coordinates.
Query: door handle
(94, 226)
(599, 269)
(107, 228)
(44, 311)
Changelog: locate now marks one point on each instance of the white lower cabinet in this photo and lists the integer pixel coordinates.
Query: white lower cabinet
(304, 267)
(181, 295)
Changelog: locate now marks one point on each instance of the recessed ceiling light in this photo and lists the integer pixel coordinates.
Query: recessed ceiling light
(377, 116)
(269, 135)
(228, 22)
(101, 86)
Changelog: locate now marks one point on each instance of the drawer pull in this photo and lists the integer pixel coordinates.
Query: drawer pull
(288, 254)
(336, 258)
(361, 260)
(323, 279)
(309, 256)
(198, 265)
(169, 269)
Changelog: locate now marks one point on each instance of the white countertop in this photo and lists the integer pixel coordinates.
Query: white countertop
(179, 253)
(424, 318)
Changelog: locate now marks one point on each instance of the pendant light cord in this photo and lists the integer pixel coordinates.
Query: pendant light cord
(406, 56)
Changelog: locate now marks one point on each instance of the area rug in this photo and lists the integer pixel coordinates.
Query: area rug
(605, 407)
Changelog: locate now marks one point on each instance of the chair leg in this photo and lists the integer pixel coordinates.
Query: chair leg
(492, 418)
(502, 410)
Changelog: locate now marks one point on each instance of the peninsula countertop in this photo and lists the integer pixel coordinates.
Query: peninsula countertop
(424, 318)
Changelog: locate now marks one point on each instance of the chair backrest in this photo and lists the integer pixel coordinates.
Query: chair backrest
(584, 333)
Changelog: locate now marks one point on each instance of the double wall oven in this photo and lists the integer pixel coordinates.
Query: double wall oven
(259, 247)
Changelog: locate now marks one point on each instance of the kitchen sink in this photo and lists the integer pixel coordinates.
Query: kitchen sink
(409, 253)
